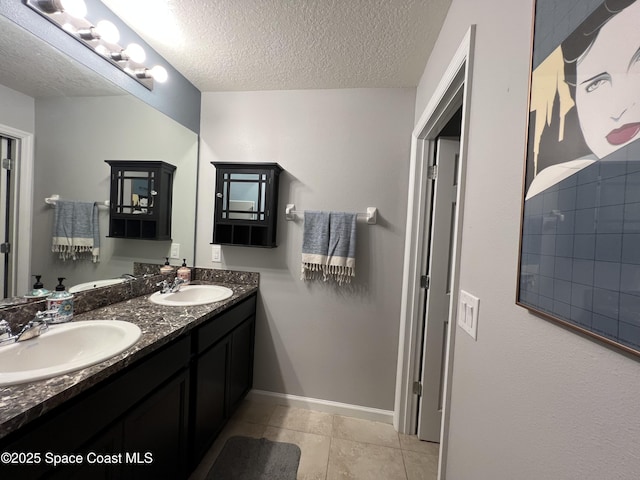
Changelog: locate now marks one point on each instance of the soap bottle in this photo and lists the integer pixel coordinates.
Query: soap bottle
(184, 272)
(166, 268)
(61, 302)
(38, 288)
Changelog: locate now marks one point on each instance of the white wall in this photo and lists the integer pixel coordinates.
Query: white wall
(340, 150)
(530, 400)
(74, 136)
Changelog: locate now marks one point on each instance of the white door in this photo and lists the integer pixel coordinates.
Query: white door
(437, 287)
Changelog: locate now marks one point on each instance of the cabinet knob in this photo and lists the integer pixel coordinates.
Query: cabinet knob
(219, 195)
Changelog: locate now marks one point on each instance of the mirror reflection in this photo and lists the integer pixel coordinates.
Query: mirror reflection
(60, 122)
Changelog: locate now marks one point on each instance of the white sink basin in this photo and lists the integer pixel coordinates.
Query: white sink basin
(81, 287)
(65, 348)
(191, 295)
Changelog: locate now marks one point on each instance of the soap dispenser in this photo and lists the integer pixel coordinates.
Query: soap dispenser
(184, 272)
(166, 268)
(38, 290)
(60, 302)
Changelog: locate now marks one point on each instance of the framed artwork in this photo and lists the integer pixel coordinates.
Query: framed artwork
(579, 262)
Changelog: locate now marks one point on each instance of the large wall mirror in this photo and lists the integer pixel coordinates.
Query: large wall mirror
(78, 120)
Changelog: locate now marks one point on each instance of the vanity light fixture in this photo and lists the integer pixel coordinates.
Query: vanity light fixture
(102, 38)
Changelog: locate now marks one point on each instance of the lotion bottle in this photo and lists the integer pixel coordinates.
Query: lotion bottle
(166, 268)
(184, 272)
(61, 302)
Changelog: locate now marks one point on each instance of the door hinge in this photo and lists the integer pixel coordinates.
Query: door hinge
(417, 388)
(7, 163)
(5, 247)
(432, 172)
(424, 281)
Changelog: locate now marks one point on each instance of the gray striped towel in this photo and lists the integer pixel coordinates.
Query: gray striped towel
(329, 246)
(76, 234)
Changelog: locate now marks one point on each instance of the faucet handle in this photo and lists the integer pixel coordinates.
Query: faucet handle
(44, 315)
(5, 330)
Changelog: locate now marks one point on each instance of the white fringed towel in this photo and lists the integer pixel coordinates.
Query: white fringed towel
(76, 235)
(329, 246)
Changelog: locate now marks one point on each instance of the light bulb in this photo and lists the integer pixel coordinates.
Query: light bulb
(108, 31)
(75, 8)
(135, 52)
(159, 74)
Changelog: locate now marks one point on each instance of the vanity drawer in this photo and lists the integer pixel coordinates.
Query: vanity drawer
(219, 326)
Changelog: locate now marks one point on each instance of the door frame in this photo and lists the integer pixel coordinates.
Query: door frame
(452, 92)
(21, 241)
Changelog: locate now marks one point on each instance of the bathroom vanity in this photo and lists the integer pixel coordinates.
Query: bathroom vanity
(152, 411)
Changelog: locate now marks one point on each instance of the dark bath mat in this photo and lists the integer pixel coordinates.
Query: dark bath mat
(244, 458)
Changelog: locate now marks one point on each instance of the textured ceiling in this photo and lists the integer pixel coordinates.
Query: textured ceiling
(289, 44)
(31, 66)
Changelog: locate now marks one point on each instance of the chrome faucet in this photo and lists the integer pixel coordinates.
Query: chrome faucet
(34, 328)
(165, 287)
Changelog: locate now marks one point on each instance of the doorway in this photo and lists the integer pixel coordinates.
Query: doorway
(452, 95)
(16, 210)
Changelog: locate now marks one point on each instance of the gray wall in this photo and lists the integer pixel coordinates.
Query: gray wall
(530, 399)
(340, 150)
(74, 137)
(18, 110)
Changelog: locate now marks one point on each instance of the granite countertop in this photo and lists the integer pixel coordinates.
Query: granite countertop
(20, 404)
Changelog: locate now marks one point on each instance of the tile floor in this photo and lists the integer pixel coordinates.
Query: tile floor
(333, 447)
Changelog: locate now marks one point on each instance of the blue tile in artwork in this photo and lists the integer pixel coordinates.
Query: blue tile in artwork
(607, 275)
(584, 246)
(567, 199)
(582, 296)
(631, 218)
(609, 247)
(533, 206)
(548, 244)
(582, 272)
(630, 279)
(581, 316)
(588, 174)
(611, 191)
(545, 286)
(563, 268)
(549, 201)
(562, 310)
(606, 302)
(547, 265)
(566, 224)
(585, 221)
(630, 309)
(562, 291)
(610, 219)
(632, 190)
(605, 326)
(586, 195)
(613, 169)
(629, 335)
(631, 248)
(564, 245)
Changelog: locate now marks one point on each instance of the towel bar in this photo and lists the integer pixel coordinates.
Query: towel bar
(371, 215)
(53, 199)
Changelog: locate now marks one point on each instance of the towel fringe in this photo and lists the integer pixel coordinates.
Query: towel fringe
(340, 273)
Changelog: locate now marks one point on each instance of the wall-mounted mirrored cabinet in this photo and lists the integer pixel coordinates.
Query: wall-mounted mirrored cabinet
(246, 204)
(140, 200)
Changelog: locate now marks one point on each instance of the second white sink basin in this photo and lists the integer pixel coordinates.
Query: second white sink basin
(191, 295)
(65, 348)
(81, 287)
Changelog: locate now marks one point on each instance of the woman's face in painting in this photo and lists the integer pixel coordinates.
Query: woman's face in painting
(608, 84)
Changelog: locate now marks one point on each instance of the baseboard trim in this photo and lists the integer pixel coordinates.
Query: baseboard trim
(356, 411)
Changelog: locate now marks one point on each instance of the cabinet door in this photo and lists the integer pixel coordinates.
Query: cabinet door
(210, 413)
(241, 363)
(155, 433)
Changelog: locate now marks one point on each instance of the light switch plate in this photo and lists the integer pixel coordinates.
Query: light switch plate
(175, 250)
(216, 253)
(468, 306)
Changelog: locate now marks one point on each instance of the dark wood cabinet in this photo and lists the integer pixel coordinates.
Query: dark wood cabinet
(160, 415)
(223, 369)
(246, 204)
(140, 201)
